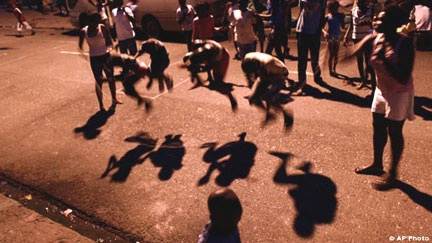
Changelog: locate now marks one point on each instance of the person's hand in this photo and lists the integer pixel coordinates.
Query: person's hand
(346, 42)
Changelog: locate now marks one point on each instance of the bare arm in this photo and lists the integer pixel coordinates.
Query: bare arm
(348, 33)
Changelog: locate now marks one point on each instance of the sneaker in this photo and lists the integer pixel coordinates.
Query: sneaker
(33, 32)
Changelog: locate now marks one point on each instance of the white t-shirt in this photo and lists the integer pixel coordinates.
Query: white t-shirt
(188, 22)
(97, 45)
(243, 26)
(423, 18)
(124, 27)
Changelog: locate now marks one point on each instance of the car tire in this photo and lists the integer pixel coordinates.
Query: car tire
(151, 27)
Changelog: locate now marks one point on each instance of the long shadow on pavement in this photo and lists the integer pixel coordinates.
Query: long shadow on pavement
(92, 127)
(131, 158)
(241, 158)
(314, 195)
(336, 94)
(423, 107)
(421, 198)
(168, 156)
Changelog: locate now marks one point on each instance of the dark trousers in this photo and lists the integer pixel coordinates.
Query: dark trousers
(308, 43)
(276, 41)
(187, 35)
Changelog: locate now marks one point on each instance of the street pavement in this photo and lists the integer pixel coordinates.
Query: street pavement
(161, 207)
(25, 215)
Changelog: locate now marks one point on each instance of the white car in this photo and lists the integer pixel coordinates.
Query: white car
(152, 16)
(155, 16)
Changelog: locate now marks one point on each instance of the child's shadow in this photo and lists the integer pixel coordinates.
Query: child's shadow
(314, 195)
(131, 158)
(240, 159)
(91, 129)
(169, 156)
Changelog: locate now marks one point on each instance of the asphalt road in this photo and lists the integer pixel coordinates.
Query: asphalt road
(48, 99)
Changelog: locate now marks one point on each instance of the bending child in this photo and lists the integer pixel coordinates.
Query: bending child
(159, 56)
(267, 76)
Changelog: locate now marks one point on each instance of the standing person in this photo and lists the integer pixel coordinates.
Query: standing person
(203, 24)
(230, 7)
(225, 213)
(423, 21)
(259, 7)
(123, 19)
(335, 22)
(393, 102)
(277, 28)
(99, 42)
(309, 25)
(22, 21)
(244, 34)
(361, 25)
(185, 15)
(287, 5)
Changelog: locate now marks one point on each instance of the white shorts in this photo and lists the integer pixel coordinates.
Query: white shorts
(397, 107)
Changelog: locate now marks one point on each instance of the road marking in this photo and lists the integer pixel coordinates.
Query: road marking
(307, 73)
(74, 53)
(165, 92)
(14, 60)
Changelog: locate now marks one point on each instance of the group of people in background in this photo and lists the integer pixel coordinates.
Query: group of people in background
(383, 44)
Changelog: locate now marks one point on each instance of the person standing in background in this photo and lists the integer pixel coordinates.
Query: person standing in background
(361, 25)
(423, 21)
(185, 15)
(203, 24)
(335, 22)
(99, 42)
(123, 19)
(244, 34)
(22, 21)
(309, 25)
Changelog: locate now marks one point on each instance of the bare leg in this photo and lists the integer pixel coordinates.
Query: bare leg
(397, 144)
(379, 142)
(168, 81)
(112, 87)
(361, 70)
(161, 84)
(98, 87)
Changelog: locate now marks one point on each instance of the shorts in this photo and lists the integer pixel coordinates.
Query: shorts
(396, 107)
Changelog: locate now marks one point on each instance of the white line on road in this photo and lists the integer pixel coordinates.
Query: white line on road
(165, 92)
(13, 60)
(73, 53)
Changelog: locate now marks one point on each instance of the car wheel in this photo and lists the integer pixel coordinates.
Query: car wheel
(151, 27)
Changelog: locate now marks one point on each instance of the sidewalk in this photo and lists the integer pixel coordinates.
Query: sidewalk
(36, 19)
(27, 215)
(17, 222)
(20, 224)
